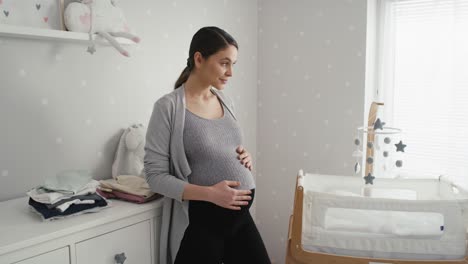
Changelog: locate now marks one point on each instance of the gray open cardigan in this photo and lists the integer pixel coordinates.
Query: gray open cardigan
(166, 167)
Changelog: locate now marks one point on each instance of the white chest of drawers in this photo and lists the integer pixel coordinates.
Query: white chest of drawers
(128, 230)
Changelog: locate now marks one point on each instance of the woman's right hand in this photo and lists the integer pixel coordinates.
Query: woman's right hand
(223, 195)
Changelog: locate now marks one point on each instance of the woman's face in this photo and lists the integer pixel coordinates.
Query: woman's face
(218, 68)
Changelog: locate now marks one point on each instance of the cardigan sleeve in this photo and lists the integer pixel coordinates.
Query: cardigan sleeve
(157, 153)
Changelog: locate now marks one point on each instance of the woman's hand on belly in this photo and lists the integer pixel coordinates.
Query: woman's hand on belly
(223, 195)
(244, 157)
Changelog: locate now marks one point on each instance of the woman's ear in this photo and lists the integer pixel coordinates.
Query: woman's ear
(198, 58)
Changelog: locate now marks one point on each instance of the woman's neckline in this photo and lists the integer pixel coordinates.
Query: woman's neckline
(209, 119)
(217, 98)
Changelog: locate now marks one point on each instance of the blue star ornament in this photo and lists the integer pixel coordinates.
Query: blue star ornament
(369, 179)
(400, 146)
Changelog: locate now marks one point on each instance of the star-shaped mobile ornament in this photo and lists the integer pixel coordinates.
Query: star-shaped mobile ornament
(91, 49)
(375, 141)
(369, 179)
(400, 146)
(378, 124)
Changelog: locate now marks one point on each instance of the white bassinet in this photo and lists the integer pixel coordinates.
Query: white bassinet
(338, 219)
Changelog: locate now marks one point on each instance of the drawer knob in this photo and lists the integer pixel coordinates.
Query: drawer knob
(120, 258)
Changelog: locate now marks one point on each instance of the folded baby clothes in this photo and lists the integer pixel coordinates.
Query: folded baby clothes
(74, 209)
(115, 194)
(46, 196)
(65, 200)
(63, 207)
(131, 184)
(68, 182)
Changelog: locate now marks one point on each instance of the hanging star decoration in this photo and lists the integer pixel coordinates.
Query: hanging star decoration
(120, 258)
(369, 179)
(400, 146)
(378, 124)
(91, 49)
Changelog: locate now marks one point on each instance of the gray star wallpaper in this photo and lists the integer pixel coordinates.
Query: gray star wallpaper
(298, 87)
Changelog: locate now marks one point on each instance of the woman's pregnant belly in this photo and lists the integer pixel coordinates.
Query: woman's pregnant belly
(221, 163)
(212, 155)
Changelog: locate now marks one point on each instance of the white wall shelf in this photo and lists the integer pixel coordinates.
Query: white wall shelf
(50, 34)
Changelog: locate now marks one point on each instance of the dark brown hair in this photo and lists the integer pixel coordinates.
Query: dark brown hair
(207, 41)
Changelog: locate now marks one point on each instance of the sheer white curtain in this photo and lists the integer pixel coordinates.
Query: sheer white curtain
(422, 77)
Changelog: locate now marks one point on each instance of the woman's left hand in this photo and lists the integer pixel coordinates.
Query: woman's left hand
(244, 157)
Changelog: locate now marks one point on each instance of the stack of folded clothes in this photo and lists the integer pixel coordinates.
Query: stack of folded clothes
(127, 187)
(69, 193)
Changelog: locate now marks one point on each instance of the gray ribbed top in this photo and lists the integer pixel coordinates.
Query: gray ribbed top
(210, 146)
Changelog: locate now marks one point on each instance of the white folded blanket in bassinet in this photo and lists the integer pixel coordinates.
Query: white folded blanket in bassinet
(398, 223)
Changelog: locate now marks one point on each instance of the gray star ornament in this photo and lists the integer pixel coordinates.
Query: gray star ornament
(120, 258)
(369, 179)
(400, 146)
(91, 49)
(378, 124)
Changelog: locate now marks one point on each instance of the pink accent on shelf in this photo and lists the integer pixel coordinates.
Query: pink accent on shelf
(126, 28)
(85, 19)
(125, 53)
(46, 19)
(136, 39)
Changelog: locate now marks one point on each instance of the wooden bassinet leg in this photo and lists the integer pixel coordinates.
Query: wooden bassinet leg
(289, 258)
(294, 242)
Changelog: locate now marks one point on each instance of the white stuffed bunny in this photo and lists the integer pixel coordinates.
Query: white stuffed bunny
(103, 17)
(130, 152)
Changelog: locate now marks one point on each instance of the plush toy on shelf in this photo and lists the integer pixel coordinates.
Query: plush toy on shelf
(103, 17)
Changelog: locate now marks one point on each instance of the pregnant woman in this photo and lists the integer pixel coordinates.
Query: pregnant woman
(194, 157)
